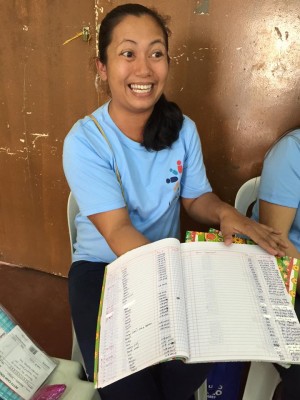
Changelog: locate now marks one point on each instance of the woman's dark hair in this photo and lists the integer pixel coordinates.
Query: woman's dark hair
(164, 124)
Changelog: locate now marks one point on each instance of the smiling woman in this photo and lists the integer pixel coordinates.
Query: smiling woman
(136, 69)
(130, 166)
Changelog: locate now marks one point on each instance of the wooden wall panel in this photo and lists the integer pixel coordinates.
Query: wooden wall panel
(45, 86)
(235, 71)
(236, 74)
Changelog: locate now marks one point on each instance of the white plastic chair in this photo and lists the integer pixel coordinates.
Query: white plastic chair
(262, 377)
(246, 195)
(262, 381)
(71, 374)
(72, 211)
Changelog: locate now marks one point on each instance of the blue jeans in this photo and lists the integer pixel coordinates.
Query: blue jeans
(173, 380)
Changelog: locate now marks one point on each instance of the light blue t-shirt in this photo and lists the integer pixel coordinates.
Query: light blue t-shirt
(153, 181)
(280, 180)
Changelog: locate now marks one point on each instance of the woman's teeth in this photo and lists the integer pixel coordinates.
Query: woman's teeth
(140, 88)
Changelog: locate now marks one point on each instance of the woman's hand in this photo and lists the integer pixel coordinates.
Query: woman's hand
(209, 209)
(232, 222)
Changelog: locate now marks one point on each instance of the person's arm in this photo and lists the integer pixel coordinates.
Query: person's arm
(280, 217)
(116, 228)
(209, 209)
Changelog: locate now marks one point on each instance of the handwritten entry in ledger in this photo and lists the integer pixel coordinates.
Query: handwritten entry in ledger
(233, 301)
(157, 326)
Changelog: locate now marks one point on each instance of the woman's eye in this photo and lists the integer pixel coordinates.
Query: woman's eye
(157, 54)
(128, 54)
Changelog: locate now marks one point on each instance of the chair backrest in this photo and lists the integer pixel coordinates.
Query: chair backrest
(246, 195)
(72, 211)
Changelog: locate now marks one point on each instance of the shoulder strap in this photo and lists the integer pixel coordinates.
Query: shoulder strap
(110, 146)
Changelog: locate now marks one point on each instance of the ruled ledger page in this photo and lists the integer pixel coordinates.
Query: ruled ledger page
(143, 314)
(233, 299)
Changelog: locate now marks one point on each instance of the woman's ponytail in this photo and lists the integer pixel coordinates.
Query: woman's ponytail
(163, 126)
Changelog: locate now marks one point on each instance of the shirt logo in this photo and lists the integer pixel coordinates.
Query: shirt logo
(176, 172)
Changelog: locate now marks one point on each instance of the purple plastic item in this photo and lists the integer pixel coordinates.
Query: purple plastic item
(49, 392)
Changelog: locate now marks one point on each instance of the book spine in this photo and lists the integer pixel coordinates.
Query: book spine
(97, 342)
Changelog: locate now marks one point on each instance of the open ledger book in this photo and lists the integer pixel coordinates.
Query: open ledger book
(201, 302)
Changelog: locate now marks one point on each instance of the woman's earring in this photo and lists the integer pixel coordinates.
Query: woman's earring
(97, 82)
